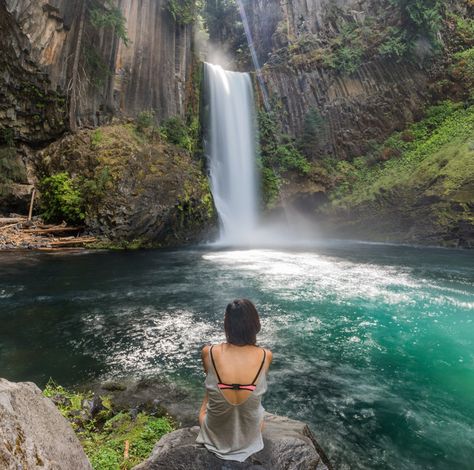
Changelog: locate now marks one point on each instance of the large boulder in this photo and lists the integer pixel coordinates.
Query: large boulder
(33, 434)
(135, 188)
(289, 445)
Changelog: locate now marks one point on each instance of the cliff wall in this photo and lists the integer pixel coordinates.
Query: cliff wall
(38, 41)
(359, 106)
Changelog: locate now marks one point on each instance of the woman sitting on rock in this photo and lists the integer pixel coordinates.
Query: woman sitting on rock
(231, 415)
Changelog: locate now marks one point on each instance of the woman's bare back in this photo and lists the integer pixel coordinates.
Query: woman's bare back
(236, 365)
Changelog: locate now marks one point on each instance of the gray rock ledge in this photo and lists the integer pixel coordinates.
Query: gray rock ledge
(289, 445)
(34, 434)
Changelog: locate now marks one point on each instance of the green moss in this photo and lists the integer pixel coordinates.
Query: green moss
(195, 202)
(106, 449)
(104, 435)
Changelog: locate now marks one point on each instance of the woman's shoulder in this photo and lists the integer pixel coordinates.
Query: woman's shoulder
(206, 349)
(268, 355)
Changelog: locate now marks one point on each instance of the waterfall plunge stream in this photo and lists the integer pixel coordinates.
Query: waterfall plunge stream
(231, 151)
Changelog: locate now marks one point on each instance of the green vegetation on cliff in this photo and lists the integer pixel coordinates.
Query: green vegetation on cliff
(410, 30)
(183, 11)
(400, 158)
(106, 14)
(106, 433)
(279, 155)
(424, 174)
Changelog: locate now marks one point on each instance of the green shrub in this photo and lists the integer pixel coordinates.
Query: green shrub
(279, 151)
(465, 29)
(421, 18)
(61, 199)
(271, 184)
(314, 135)
(347, 59)
(97, 137)
(278, 155)
(110, 17)
(175, 131)
(7, 137)
(93, 190)
(395, 45)
(145, 121)
(183, 11)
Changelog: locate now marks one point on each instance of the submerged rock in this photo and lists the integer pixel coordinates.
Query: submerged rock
(33, 434)
(289, 445)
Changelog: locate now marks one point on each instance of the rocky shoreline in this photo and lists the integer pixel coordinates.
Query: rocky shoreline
(38, 430)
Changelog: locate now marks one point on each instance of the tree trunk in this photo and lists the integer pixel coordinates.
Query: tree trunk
(74, 88)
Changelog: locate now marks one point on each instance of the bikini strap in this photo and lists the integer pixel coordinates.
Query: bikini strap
(214, 365)
(261, 366)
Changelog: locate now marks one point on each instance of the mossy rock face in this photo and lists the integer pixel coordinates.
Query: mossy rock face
(425, 196)
(137, 191)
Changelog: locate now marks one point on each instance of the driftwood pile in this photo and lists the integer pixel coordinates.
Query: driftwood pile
(18, 232)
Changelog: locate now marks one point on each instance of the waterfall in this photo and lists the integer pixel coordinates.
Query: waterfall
(231, 152)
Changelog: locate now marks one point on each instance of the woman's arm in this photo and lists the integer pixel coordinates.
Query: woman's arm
(269, 358)
(202, 411)
(204, 357)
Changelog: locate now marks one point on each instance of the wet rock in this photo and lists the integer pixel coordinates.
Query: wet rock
(33, 434)
(289, 445)
(155, 396)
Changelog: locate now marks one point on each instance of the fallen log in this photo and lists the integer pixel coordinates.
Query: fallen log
(12, 220)
(5, 227)
(54, 229)
(72, 241)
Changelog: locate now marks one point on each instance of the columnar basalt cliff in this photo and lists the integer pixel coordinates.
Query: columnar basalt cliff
(378, 99)
(359, 106)
(38, 44)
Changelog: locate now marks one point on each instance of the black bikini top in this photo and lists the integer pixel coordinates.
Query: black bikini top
(250, 387)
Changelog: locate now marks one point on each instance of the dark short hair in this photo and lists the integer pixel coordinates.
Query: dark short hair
(241, 322)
